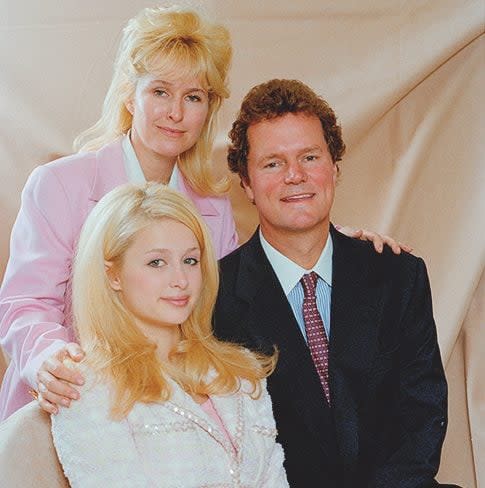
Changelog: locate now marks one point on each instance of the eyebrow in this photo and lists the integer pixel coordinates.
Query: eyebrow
(169, 84)
(303, 151)
(162, 250)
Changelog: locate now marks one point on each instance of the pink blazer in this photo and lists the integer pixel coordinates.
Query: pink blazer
(35, 305)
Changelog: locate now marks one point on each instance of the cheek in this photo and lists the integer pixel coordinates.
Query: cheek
(198, 116)
(140, 282)
(146, 109)
(196, 282)
(325, 178)
(266, 187)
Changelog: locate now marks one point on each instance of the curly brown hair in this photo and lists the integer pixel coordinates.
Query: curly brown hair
(276, 98)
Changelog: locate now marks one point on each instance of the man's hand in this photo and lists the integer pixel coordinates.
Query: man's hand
(55, 380)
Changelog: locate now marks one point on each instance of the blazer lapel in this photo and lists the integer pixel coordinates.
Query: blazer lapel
(110, 171)
(204, 204)
(270, 321)
(229, 408)
(353, 339)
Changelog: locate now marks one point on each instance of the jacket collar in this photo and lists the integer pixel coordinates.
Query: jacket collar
(110, 170)
(110, 173)
(228, 407)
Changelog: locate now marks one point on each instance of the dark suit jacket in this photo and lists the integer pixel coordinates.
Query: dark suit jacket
(388, 415)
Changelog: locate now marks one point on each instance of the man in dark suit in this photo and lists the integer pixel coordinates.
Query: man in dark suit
(359, 393)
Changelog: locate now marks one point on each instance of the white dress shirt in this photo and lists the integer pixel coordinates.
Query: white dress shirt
(133, 167)
(289, 275)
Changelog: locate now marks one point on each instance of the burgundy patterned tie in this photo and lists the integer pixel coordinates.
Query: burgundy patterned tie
(316, 335)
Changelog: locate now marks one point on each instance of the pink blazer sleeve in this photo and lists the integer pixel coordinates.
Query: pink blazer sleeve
(34, 293)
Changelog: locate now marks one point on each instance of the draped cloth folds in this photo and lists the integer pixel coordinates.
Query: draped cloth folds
(406, 81)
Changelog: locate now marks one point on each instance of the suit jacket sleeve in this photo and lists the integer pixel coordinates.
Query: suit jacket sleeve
(32, 297)
(412, 459)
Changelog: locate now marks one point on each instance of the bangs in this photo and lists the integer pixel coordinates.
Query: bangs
(182, 58)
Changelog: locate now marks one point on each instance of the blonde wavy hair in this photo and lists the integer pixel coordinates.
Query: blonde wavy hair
(115, 347)
(168, 41)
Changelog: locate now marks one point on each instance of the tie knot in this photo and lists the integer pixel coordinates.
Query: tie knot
(309, 283)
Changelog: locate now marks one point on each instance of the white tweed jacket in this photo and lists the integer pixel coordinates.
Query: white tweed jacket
(174, 444)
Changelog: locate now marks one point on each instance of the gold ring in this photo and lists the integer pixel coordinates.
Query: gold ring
(34, 394)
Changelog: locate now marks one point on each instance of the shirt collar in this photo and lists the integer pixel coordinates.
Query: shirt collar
(289, 273)
(133, 167)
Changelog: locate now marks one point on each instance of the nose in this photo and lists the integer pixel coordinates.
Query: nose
(176, 110)
(295, 173)
(178, 279)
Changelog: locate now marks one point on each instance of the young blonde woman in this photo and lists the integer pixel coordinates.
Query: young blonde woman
(157, 124)
(165, 403)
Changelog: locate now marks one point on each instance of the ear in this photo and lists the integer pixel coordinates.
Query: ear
(336, 171)
(113, 277)
(248, 190)
(130, 105)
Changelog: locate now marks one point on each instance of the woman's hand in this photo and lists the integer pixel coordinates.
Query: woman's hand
(377, 239)
(55, 380)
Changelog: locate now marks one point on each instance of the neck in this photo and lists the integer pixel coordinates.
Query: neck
(155, 167)
(165, 338)
(303, 248)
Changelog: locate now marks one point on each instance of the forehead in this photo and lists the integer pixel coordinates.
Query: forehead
(171, 68)
(164, 233)
(285, 133)
(172, 81)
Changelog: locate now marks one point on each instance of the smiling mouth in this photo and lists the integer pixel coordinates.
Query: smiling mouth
(171, 132)
(298, 198)
(177, 301)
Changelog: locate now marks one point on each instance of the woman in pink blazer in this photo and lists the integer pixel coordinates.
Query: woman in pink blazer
(157, 124)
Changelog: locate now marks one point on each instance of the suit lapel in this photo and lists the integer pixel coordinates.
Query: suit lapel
(270, 321)
(354, 313)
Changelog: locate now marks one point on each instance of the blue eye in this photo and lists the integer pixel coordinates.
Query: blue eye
(159, 92)
(156, 263)
(191, 261)
(194, 98)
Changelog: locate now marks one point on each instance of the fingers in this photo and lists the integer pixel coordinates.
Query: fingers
(60, 371)
(405, 247)
(379, 241)
(56, 381)
(396, 246)
(54, 390)
(50, 401)
(47, 406)
(350, 231)
(74, 351)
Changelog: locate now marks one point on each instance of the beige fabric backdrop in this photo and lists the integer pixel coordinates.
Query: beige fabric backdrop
(406, 79)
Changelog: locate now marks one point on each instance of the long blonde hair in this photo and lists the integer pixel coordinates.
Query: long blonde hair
(114, 346)
(167, 41)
